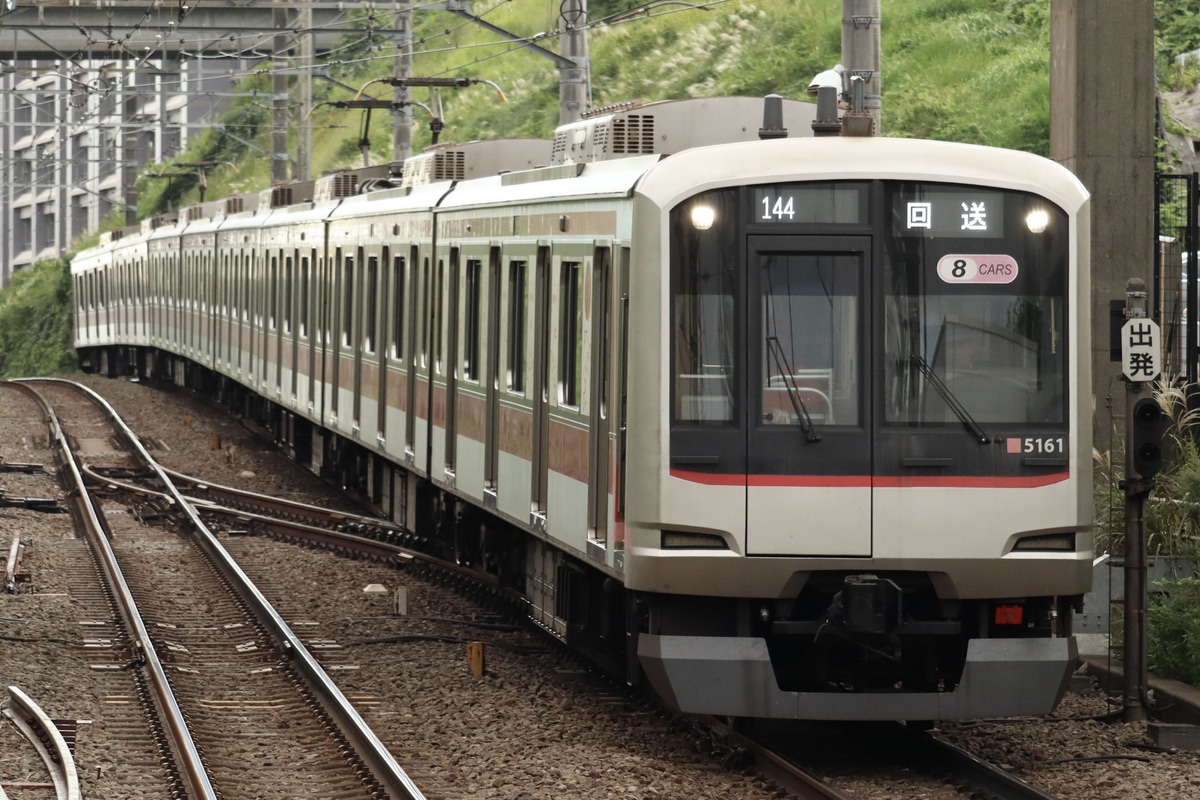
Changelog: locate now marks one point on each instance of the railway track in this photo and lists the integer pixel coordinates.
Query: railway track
(151, 528)
(913, 762)
(375, 538)
(213, 651)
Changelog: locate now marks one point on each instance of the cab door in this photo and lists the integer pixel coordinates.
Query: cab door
(808, 426)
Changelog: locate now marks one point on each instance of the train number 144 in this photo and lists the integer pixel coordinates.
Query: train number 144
(783, 208)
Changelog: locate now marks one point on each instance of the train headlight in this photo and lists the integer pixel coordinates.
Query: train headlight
(1047, 543)
(702, 217)
(691, 540)
(1037, 220)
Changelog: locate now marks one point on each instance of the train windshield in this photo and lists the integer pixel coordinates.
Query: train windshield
(973, 311)
(969, 286)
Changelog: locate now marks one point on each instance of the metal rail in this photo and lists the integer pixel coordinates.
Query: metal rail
(990, 779)
(374, 754)
(783, 772)
(184, 748)
(48, 740)
(287, 506)
(312, 533)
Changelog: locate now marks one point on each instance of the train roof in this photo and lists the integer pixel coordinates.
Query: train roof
(671, 126)
(859, 158)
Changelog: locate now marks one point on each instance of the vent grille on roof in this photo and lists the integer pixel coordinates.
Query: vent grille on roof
(233, 205)
(633, 134)
(344, 184)
(334, 186)
(193, 213)
(600, 137)
(281, 196)
(449, 166)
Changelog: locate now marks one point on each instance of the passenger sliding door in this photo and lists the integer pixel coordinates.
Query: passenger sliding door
(808, 427)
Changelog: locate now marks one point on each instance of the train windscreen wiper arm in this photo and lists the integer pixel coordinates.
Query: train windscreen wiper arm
(957, 407)
(785, 372)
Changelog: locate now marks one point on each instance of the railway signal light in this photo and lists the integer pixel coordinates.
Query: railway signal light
(1149, 424)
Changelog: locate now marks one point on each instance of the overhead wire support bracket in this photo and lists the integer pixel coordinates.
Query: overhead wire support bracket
(432, 83)
(463, 9)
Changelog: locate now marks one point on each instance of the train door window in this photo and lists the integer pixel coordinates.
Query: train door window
(289, 265)
(370, 310)
(305, 279)
(438, 318)
(517, 301)
(205, 290)
(254, 291)
(570, 334)
(599, 423)
(398, 298)
(471, 319)
(421, 299)
(347, 300)
(808, 339)
(273, 292)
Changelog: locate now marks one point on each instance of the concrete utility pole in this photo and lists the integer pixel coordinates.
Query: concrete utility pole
(279, 89)
(573, 82)
(862, 50)
(402, 130)
(129, 143)
(1102, 129)
(304, 101)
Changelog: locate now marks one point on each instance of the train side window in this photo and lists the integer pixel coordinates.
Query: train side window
(704, 301)
(517, 277)
(471, 320)
(570, 335)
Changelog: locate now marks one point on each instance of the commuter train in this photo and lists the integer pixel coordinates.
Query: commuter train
(779, 423)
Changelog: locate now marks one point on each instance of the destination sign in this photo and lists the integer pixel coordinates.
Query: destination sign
(970, 213)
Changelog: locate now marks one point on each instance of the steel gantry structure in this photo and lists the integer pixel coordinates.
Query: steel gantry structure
(93, 90)
(91, 93)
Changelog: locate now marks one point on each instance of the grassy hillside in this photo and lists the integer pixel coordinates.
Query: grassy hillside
(962, 70)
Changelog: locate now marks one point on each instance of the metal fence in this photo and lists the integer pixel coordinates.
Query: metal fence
(1175, 291)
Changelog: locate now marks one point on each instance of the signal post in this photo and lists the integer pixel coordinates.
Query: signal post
(1141, 363)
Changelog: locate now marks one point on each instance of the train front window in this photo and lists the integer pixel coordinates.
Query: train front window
(974, 301)
(809, 339)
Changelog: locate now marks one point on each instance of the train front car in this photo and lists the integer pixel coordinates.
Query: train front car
(859, 436)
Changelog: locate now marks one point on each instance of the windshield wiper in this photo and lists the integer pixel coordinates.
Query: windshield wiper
(957, 407)
(785, 372)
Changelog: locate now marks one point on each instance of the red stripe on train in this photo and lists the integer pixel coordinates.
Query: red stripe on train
(866, 481)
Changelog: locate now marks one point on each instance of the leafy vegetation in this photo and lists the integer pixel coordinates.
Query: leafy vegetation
(36, 322)
(1172, 517)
